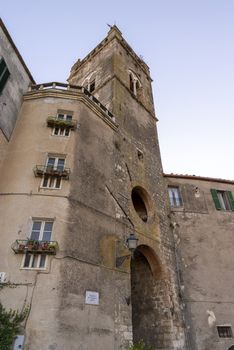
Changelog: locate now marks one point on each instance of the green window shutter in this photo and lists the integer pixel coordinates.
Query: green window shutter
(216, 199)
(2, 65)
(230, 199)
(3, 78)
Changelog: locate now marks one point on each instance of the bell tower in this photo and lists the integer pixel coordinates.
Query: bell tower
(120, 80)
(113, 69)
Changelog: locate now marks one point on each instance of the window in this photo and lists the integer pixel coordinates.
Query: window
(134, 83)
(4, 74)
(52, 172)
(131, 83)
(223, 200)
(34, 261)
(41, 231)
(139, 203)
(53, 181)
(140, 155)
(174, 196)
(225, 331)
(62, 130)
(92, 86)
(55, 163)
(90, 83)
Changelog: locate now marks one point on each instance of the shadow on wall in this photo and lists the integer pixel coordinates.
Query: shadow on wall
(148, 297)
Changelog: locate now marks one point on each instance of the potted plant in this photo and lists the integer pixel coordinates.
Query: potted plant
(140, 346)
(52, 246)
(35, 245)
(21, 247)
(45, 245)
(30, 244)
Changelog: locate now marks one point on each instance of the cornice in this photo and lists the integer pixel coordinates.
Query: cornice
(199, 178)
(113, 34)
(71, 95)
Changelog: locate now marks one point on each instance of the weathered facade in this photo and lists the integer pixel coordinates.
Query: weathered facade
(202, 220)
(83, 174)
(15, 79)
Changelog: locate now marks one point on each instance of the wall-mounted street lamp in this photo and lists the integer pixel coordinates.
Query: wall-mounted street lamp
(131, 242)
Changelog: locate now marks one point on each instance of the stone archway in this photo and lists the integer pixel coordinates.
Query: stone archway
(149, 298)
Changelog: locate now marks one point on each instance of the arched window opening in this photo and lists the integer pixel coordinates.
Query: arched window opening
(90, 83)
(92, 86)
(131, 83)
(137, 86)
(134, 84)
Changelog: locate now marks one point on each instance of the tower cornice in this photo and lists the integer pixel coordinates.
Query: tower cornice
(114, 33)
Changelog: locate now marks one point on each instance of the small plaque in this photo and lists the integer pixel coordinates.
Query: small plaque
(91, 298)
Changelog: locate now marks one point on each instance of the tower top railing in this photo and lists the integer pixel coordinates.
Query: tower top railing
(67, 87)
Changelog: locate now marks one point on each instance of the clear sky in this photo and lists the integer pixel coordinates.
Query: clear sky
(188, 45)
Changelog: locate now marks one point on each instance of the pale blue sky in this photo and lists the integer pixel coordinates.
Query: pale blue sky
(188, 45)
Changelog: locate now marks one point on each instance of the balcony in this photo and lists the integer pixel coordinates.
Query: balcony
(41, 170)
(72, 89)
(32, 246)
(53, 122)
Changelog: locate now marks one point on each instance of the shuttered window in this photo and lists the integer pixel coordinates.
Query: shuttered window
(223, 200)
(174, 196)
(225, 331)
(4, 74)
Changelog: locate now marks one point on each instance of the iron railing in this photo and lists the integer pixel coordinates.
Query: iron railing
(61, 123)
(22, 246)
(41, 170)
(63, 86)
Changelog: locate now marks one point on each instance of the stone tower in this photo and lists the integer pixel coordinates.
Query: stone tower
(121, 81)
(85, 174)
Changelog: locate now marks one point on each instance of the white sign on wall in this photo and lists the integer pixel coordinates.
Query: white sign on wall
(91, 298)
(2, 277)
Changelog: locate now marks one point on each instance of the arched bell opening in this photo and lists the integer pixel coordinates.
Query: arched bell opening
(147, 294)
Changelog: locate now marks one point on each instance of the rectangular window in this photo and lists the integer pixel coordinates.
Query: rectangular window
(223, 200)
(225, 331)
(4, 74)
(34, 261)
(57, 131)
(62, 130)
(51, 182)
(52, 177)
(174, 196)
(41, 231)
(55, 163)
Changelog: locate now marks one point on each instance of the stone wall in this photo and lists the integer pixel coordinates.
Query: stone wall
(204, 237)
(116, 187)
(17, 84)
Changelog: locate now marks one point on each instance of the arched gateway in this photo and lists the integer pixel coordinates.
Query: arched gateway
(148, 297)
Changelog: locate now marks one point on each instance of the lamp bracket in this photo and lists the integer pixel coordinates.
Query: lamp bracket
(120, 260)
